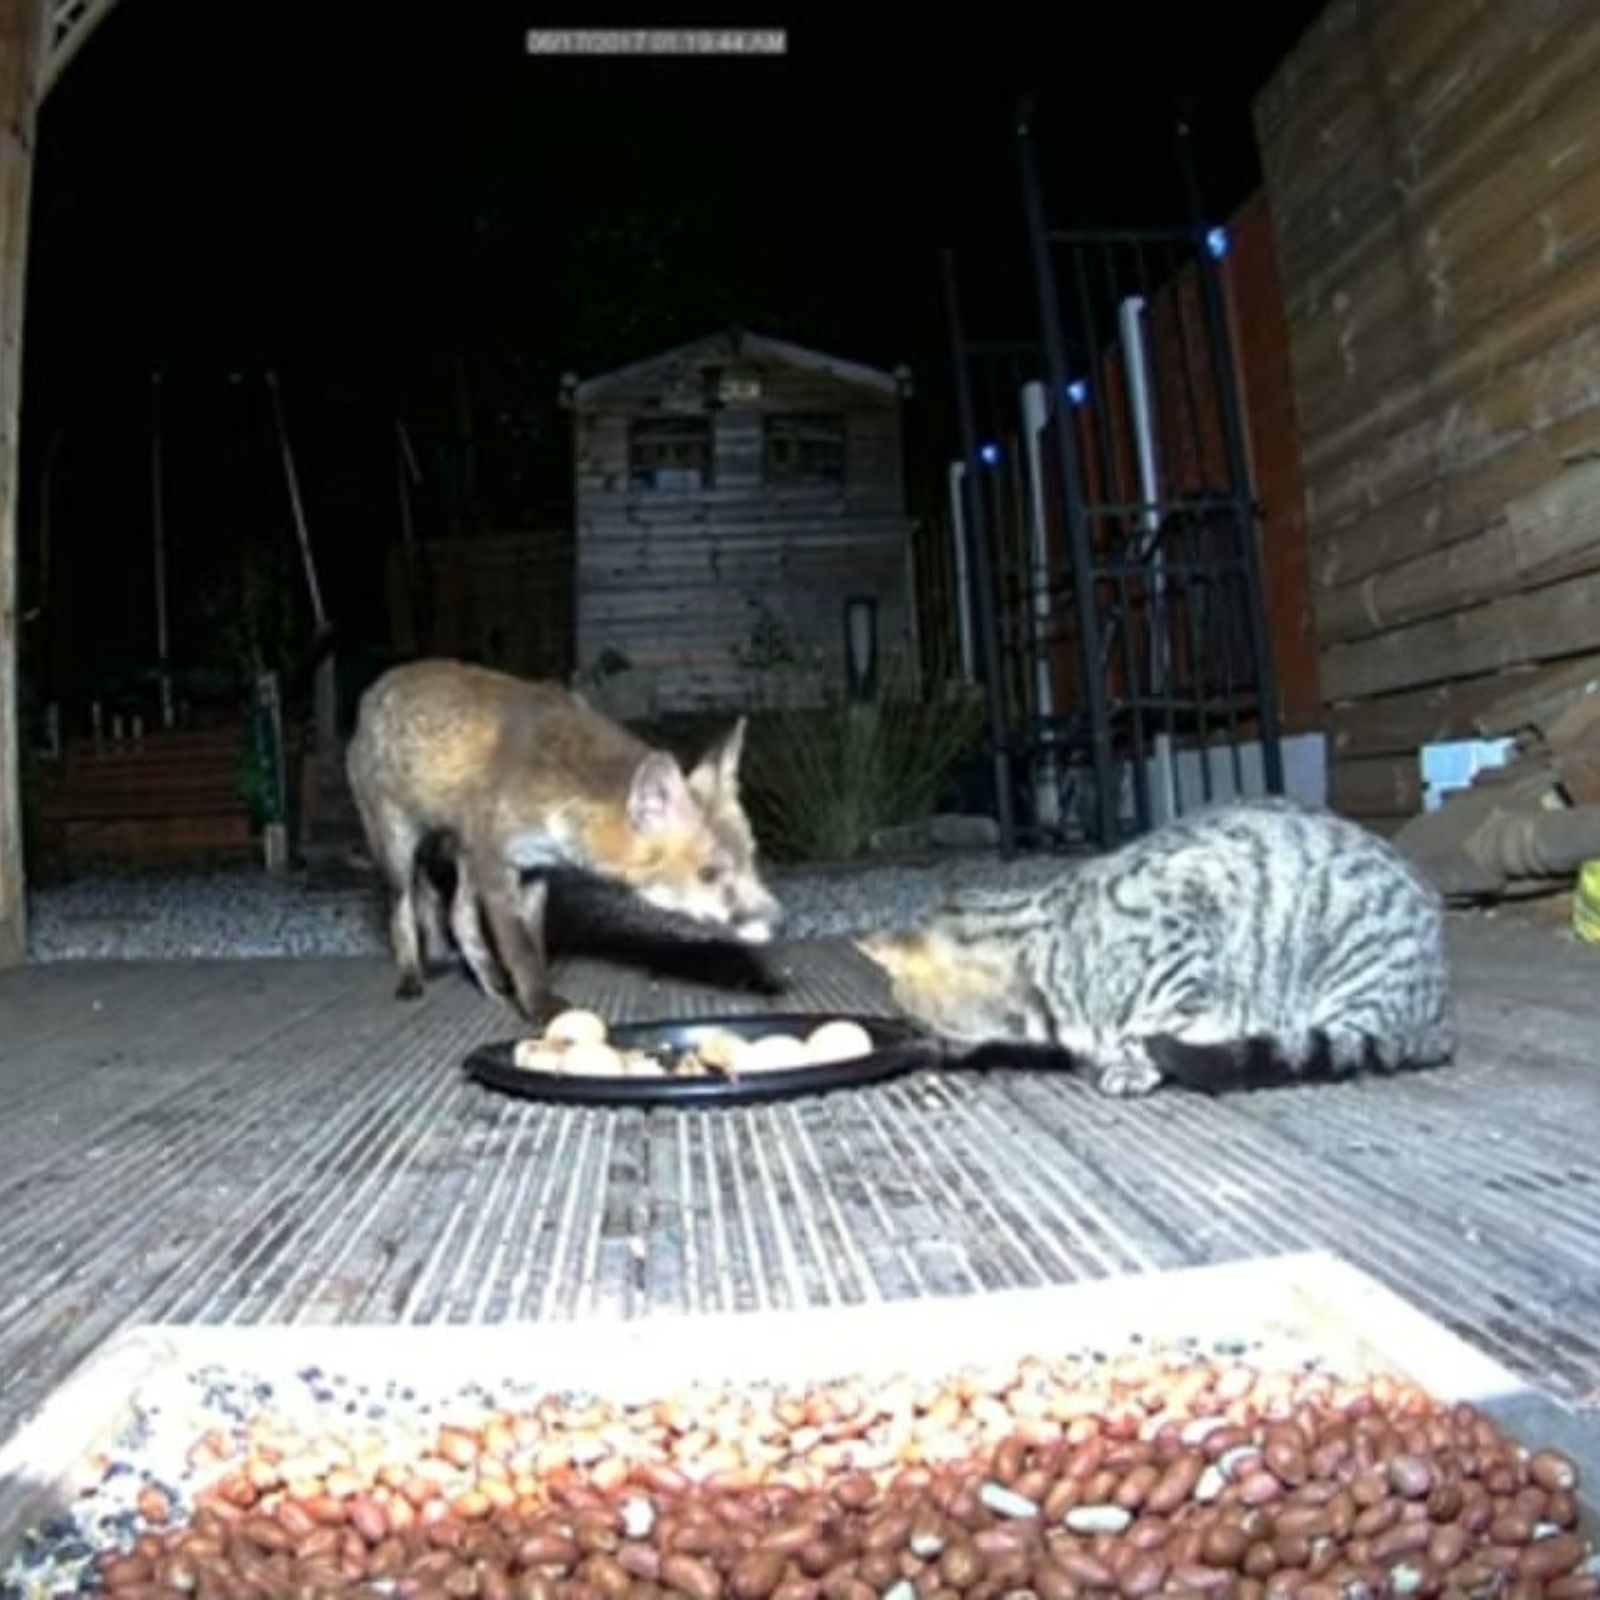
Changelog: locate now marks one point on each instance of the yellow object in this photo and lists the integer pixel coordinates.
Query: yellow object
(1586, 904)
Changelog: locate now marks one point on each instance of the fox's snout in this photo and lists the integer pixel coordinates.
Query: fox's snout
(757, 921)
(749, 913)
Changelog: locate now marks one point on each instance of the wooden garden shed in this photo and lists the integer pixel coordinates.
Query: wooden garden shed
(1433, 172)
(733, 497)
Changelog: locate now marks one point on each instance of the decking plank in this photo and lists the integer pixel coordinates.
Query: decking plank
(282, 1140)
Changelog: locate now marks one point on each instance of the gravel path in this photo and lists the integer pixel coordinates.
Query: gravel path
(248, 913)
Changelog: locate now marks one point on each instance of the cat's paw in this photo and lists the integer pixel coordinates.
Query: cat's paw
(1127, 1077)
(409, 987)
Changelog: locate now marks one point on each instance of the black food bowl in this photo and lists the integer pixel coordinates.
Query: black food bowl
(898, 1048)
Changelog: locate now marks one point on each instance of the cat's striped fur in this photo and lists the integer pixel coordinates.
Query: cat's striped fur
(1249, 935)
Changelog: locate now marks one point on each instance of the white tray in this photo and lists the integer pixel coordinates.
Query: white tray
(1313, 1301)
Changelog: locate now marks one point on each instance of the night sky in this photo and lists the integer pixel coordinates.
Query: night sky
(405, 216)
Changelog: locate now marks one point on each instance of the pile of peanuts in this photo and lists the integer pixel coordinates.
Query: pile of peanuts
(1151, 1475)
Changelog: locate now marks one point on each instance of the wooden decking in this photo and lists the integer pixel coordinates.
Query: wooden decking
(281, 1140)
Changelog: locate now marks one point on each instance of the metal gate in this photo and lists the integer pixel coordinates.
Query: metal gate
(1107, 536)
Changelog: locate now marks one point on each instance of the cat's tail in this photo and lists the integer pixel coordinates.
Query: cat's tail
(1229, 1064)
(1260, 1061)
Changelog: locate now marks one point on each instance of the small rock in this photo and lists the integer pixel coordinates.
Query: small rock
(1097, 1519)
(638, 1517)
(953, 832)
(1006, 1502)
(907, 839)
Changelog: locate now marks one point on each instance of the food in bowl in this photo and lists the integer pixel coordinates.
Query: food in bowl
(578, 1042)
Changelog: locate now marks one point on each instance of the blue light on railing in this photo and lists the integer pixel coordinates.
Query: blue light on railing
(1077, 391)
(989, 454)
(1217, 242)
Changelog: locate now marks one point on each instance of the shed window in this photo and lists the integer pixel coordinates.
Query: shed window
(672, 453)
(805, 447)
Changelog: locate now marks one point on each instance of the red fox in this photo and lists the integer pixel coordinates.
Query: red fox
(518, 777)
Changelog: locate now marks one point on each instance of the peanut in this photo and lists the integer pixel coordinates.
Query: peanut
(1224, 1545)
(1550, 1558)
(1142, 1575)
(1175, 1485)
(1574, 1586)
(696, 1578)
(1161, 1475)
(1411, 1477)
(1086, 1570)
(1552, 1470)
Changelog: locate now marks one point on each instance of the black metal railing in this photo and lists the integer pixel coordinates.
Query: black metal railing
(1112, 536)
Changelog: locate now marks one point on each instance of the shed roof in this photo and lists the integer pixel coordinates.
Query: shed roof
(737, 344)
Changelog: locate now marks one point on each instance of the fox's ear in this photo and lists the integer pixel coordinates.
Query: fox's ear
(658, 796)
(881, 945)
(718, 770)
(732, 751)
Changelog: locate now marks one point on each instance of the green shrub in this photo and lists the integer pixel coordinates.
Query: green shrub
(820, 780)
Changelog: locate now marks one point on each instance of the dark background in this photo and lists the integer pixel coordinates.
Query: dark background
(409, 216)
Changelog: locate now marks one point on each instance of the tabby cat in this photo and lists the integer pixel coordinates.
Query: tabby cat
(1242, 938)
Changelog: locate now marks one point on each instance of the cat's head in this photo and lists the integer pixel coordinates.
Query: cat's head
(966, 992)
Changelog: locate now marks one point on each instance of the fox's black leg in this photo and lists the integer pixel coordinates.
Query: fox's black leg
(516, 922)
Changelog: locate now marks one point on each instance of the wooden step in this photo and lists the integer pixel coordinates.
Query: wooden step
(128, 838)
(89, 807)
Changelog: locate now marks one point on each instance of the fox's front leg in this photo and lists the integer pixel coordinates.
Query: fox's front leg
(516, 921)
(466, 923)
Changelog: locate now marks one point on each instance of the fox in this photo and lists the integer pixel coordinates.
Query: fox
(510, 779)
